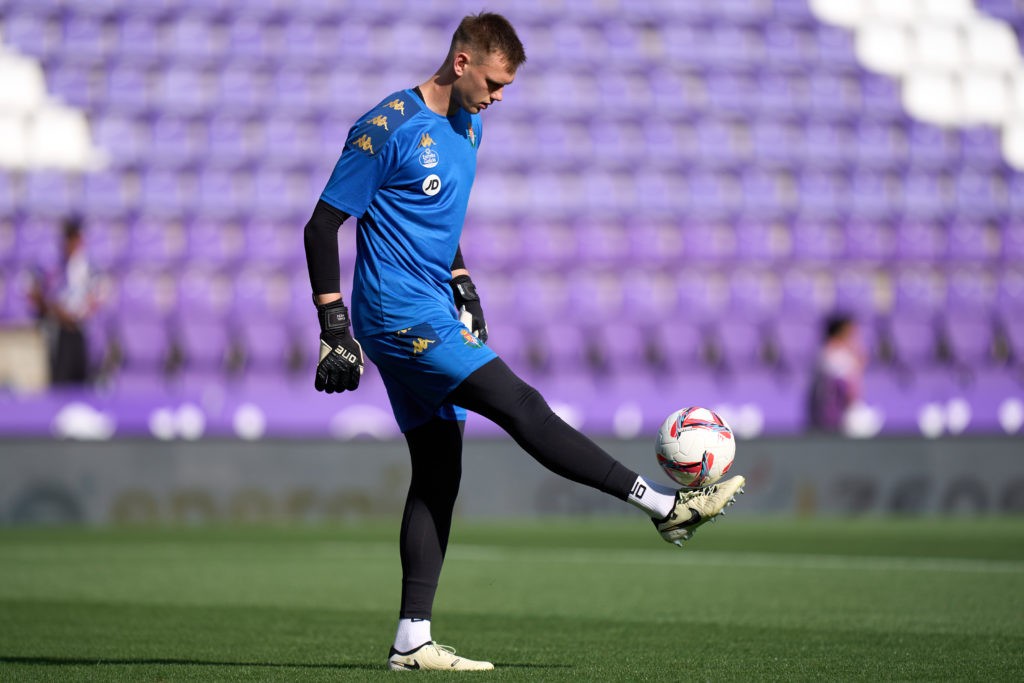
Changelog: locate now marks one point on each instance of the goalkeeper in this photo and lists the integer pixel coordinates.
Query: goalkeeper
(405, 172)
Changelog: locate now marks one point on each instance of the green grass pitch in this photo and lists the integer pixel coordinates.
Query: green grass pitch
(783, 600)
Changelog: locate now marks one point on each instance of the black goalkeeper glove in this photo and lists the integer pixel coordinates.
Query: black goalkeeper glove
(341, 356)
(467, 302)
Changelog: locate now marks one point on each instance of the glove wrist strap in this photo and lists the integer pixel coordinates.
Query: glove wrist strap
(333, 317)
(464, 288)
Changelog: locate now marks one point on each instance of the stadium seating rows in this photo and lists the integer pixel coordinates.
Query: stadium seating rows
(706, 181)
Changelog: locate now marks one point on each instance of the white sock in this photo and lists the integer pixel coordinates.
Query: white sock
(411, 634)
(655, 499)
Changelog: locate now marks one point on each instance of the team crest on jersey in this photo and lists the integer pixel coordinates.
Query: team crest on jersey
(380, 120)
(428, 158)
(397, 105)
(469, 339)
(471, 134)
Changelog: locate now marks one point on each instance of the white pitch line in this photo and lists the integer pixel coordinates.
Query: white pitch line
(484, 553)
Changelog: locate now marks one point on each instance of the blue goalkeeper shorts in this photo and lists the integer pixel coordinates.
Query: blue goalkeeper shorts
(422, 364)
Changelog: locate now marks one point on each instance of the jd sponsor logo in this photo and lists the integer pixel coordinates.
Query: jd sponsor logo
(431, 185)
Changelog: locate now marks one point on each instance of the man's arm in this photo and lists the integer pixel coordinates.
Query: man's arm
(341, 356)
(467, 301)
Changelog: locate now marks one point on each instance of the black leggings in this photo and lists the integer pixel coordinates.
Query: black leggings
(435, 448)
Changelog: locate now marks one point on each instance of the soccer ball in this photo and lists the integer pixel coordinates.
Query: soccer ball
(695, 447)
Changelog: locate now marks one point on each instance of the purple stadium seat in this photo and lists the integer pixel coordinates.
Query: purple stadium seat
(33, 34)
(166, 192)
(1012, 240)
(873, 196)
(822, 196)
(817, 238)
(881, 98)
(204, 343)
(758, 239)
(833, 95)
(807, 291)
(775, 142)
(777, 95)
(75, 84)
(107, 194)
(195, 40)
(601, 242)
(970, 335)
(214, 243)
(144, 342)
(184, 91)
(87, 38)
(869, 240)
(754, 295)
(932, 148)
(128, 89)
(107, 242)
(919, 291)
(266, 346)
(914, 340)
(979, 195)
(289, 140)
(972, 241)
(797, 340)
(222, 193)
(241, 89)
(542, 296)
(880, 145)
(204, 293)
(125, 138)
(38, 242)
(920, 241)
(174, 143)
(828, 144)
(787, 45)
(860, 291)
(139, 40)
(901, 396)
(739, 342)
(980, 147)
(713, 195)
(51, 193)
(834, 49)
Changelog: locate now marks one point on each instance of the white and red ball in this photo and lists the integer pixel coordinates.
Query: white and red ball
(695, 446)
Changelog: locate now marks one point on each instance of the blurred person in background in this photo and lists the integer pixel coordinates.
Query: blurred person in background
(406, 172)
(837, 380)
(63, 301)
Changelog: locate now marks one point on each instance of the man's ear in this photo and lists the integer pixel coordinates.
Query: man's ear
(459, 62)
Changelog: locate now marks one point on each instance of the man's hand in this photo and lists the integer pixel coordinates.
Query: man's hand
(341, 356)
(467, 302)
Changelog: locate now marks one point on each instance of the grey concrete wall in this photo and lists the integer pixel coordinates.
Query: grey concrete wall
(233, 481)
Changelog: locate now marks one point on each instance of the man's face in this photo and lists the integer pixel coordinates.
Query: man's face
(482, 80)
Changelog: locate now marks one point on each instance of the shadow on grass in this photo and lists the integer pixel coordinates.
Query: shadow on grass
(106, 661)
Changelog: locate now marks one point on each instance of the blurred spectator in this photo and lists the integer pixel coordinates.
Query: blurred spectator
(64, 300)
(838, 375)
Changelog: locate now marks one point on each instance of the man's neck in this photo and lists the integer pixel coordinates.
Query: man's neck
(438, 96)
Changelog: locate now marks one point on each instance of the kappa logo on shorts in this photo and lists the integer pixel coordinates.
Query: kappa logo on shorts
(431, 185)
(421, 338)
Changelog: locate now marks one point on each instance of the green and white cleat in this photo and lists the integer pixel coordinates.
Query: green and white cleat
(433, 657)
(695, 507)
